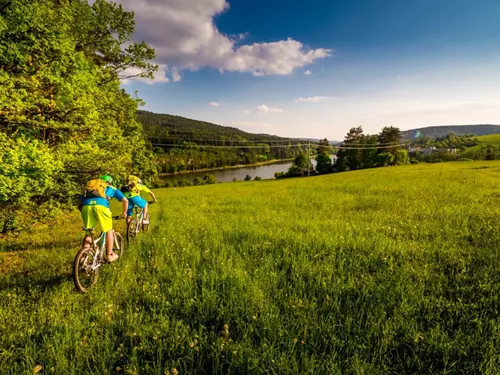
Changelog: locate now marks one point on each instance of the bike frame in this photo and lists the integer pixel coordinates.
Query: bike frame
(139, 216)
(99, 246)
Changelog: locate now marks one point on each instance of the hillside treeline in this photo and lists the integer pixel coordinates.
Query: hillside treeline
(63, 117)
(182, 144)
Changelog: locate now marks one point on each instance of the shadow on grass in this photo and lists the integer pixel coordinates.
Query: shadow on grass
(27, 281)
(54, 243)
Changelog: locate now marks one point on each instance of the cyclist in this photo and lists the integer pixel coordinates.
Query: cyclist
(94, 205)
(132, 191)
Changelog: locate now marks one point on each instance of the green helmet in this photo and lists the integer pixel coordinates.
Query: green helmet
(108, 179)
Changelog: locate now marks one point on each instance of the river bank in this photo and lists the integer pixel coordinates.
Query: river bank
(237, 166)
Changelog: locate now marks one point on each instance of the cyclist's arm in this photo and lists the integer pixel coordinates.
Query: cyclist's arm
(145, 189)
(124, 207)
(118, 195)
(153, 196)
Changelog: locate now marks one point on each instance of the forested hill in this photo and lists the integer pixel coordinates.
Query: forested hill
(169, 129)
(441, 131)
(182, 144)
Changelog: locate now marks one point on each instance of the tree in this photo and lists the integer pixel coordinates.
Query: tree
(323, 159)
(389, 135)
(60, 69)
(369, 156)
(301, 161)
(351, 157)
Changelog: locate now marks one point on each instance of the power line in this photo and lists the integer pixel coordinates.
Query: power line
(212, 146)
(372, 147)
(223, 140)
(378, 144)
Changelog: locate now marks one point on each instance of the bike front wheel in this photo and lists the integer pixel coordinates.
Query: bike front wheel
(83, 274)
(132, 230)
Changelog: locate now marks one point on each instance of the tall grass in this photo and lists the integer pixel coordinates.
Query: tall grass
(383, 271)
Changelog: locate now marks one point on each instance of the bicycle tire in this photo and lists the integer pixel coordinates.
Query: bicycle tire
(118, 244)
(81, 267)
(131, 232)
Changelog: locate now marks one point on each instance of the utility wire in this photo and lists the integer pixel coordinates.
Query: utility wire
(284, 141)
(224, 140)
(374, 147)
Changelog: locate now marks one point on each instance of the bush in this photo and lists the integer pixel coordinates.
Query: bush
(235, 179)
(184, 182)
(209, 179)
(257, 178)
(414, 161)
(248, 177)
(198, 181)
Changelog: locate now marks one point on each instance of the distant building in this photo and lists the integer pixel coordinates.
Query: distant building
(427, 150)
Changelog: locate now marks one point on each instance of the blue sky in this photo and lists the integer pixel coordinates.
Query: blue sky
(317, 68)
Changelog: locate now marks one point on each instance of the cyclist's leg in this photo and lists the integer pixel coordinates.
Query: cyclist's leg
(90, 220)
(130, 210)
(139, 202)
(106, 221)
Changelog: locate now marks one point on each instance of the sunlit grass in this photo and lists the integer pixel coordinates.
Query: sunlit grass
(390, 270)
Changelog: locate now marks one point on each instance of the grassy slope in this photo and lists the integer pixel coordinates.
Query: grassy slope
(381, 271)
(492, 139)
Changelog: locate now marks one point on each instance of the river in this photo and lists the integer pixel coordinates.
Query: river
(227, 175)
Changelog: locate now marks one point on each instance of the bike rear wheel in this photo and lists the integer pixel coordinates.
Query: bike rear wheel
(83, 274)
(132, 230)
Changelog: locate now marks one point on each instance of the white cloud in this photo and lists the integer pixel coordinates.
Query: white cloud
(184, 36)
(307, 73)
(175, 75)
(247, 111)
(265, 109)
(214, 104)
(313, 99)
(160, 76)
(254, 127)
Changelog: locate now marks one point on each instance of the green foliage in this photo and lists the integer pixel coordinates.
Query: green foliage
(247, 178)
(301, 161)
(343, 274)
(209, 179)
(388, 136)
(198, 181)
(258, 178)
(401, 157)
(60, 64)
(385, 159)
(323, 160)
(351, 159)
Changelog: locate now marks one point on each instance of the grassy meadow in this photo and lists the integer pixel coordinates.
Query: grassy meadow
(382, 271)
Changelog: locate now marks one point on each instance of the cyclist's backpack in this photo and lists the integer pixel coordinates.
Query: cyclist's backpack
(132, 184)
(95, 189)
(126, 188)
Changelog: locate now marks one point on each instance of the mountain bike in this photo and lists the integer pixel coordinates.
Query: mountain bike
(138, 223)
(89, 260)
